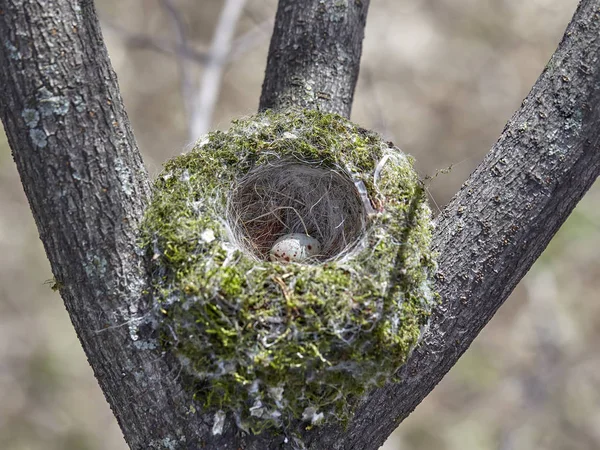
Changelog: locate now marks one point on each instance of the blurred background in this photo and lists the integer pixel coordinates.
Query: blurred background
(439, 78)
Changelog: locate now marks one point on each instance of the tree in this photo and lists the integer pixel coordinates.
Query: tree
(87, 188)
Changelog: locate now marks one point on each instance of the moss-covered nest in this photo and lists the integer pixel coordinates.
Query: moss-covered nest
(268, 342)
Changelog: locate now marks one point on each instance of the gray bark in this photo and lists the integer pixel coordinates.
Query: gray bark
(315, 55)
(87, 187)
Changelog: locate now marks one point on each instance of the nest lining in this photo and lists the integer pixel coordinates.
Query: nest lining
(288, 196)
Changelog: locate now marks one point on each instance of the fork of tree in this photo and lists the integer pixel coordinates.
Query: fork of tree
(87, 187)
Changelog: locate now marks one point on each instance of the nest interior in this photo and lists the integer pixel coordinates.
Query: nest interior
(264, 343)
(286, 196)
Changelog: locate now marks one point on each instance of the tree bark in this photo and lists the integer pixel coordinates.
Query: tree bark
(314, 55)
(87, 187)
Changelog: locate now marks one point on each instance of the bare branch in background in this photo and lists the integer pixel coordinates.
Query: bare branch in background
(149, 42)
(239, 47)
(200, 99)
(210, 85)
(186, 75)
(250, 40)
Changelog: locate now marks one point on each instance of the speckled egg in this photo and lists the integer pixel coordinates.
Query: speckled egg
(295, 247)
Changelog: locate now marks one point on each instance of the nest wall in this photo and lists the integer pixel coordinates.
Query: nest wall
(265, 343)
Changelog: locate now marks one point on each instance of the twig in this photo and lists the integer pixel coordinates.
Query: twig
(213, 71)
(224, 49)
(250, 39)
(146, 41)
(240, 46)
(187, 87)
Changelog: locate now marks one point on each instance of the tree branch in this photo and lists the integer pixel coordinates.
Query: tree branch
(150, 42)
(210, 86)
(87, 187)
(239, 47)
(186, 74)
(314, 55)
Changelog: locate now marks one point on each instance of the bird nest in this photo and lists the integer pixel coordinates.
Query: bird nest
(268, 343)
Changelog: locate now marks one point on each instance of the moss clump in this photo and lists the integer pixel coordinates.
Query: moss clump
(273, 343)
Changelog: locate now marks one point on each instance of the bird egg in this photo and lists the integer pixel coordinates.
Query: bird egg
(295, 247)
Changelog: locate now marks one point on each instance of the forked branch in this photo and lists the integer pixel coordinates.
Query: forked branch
(87, 187)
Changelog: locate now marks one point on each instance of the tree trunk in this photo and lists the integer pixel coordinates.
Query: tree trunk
(87, 188)
(314, 55)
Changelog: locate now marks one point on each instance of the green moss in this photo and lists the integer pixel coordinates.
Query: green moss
(54, 284)
(274, 343)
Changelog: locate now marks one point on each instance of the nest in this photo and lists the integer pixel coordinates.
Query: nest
(286, 196)
(266, 344)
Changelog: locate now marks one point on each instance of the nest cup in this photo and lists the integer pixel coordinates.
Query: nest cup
(267, 344)
(288, 196)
